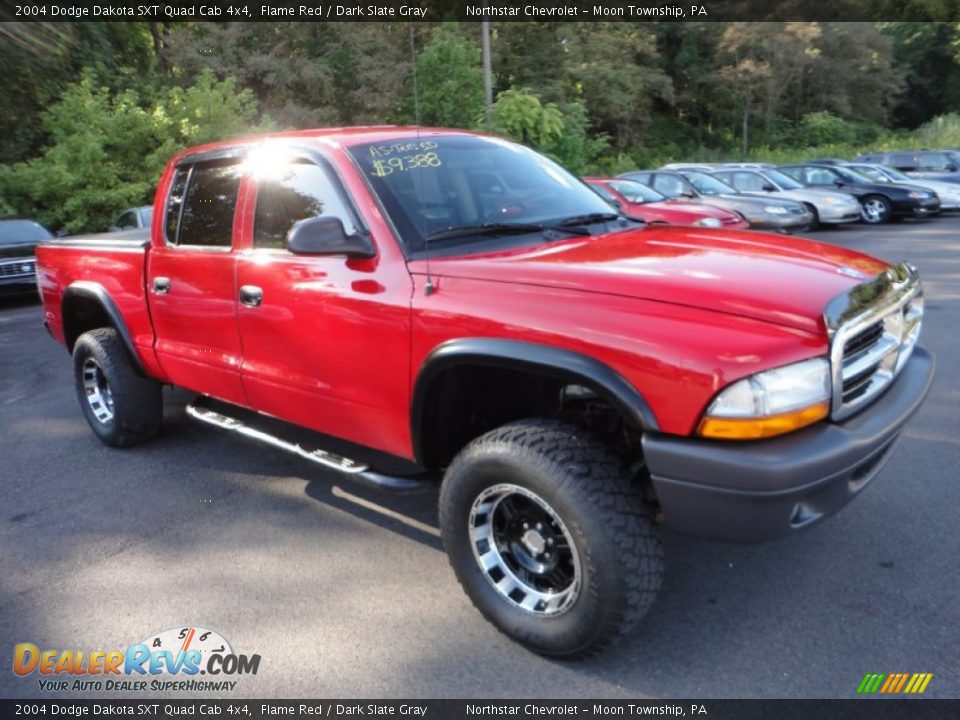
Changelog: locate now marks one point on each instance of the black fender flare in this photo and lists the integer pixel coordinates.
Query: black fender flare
(95, 291)
(520, 355)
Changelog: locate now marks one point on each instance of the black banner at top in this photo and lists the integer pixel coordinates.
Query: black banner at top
(244, 709)
(478, 10)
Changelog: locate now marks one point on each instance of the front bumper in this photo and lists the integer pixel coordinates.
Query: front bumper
(917, 208)
(834, 214)
(780, 222)
(758, 491)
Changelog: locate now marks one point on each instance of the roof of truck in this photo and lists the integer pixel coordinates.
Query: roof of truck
(344, 136)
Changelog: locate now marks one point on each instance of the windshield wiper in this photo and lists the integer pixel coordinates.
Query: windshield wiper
(587, 219)
(500, 229)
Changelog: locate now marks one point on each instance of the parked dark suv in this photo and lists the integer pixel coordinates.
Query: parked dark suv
(18, 241)
(881, 202)
(943, 165)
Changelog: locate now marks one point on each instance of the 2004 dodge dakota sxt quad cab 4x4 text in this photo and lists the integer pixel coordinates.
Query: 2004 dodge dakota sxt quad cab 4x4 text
(397, 303)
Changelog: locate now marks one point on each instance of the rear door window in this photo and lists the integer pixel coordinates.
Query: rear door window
(205, 207)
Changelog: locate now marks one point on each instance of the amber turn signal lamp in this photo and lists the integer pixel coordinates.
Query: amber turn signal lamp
(720, 428)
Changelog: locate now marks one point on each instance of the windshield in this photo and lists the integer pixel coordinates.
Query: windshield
(895, 175)
(849, 175)
(708, 185)
(783, 180)
(22, 232)
(874, 174)
(636, 192)
(438, 189)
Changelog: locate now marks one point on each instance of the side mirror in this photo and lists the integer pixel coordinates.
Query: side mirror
(769, 187)
(61, 233)
(951, 168)
(839, 183)
(688, 194)
(325, 235)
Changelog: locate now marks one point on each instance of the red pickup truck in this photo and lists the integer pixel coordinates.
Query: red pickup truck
(401, 304)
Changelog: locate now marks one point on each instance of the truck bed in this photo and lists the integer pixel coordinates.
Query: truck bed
(114, 262)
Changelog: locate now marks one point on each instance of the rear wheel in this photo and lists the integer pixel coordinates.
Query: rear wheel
(875, 210)
(121, 406)
(550, 536)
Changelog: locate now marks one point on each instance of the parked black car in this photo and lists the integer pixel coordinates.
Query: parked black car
(761, 213)
(18, 241)
(942, 165)
(881, 202)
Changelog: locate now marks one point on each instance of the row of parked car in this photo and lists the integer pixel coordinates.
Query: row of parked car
(787, 198)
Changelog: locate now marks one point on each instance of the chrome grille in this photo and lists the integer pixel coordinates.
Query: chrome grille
(875, 327)
(23, 267)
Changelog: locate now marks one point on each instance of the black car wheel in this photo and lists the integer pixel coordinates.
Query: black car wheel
(121, 406)
(875, 210)
(549, 536)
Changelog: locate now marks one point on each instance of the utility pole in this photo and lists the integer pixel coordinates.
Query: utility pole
(487, 74)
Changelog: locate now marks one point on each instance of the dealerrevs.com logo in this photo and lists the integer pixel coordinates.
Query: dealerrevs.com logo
(168, 661)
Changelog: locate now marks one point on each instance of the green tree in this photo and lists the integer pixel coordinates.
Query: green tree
(449, 81)
(107, 149)
(564, 135)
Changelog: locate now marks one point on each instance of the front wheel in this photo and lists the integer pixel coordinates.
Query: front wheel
(550, 536)
(121, 406)
(875, 210)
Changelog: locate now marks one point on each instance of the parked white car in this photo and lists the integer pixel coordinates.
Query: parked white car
(827, 206)
(949, 192)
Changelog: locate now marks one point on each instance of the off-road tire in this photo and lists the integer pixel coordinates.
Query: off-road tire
(599, 498)
(135, 407)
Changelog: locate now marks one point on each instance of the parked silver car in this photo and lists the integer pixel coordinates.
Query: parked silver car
(133, 218)
(762, 213)
(949, 192)
(828, 207)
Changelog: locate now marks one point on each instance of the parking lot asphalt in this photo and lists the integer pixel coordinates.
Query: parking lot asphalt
(347, 593)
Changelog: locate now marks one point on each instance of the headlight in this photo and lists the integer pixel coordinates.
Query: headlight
(708, 222)
(917, 195)
(826, 200)
(775, 210)
(770, 403)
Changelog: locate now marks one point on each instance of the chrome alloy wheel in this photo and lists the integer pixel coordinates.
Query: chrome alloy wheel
(524, 549)
(97, 391)
(874, 210)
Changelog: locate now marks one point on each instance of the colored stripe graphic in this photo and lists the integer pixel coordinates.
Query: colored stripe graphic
(894, 683)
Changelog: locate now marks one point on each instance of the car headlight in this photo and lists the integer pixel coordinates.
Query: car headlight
(917, 195)
(770, 403)
(775, 210)
(826, 200)
(708, 222)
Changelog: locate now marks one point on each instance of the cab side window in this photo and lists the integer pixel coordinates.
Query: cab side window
(208, 205)
(296, 192)
(201, 204)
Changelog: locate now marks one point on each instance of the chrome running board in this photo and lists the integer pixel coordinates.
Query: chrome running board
(354, 470)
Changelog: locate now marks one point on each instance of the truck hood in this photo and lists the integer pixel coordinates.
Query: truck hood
(762, 276)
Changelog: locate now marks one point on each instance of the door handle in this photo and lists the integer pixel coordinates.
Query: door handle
(161, 285)
(251, 295)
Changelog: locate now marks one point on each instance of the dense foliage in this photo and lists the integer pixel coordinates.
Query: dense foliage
(92, 110)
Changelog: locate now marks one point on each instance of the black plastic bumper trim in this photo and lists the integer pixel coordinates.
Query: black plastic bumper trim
(758, 491)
